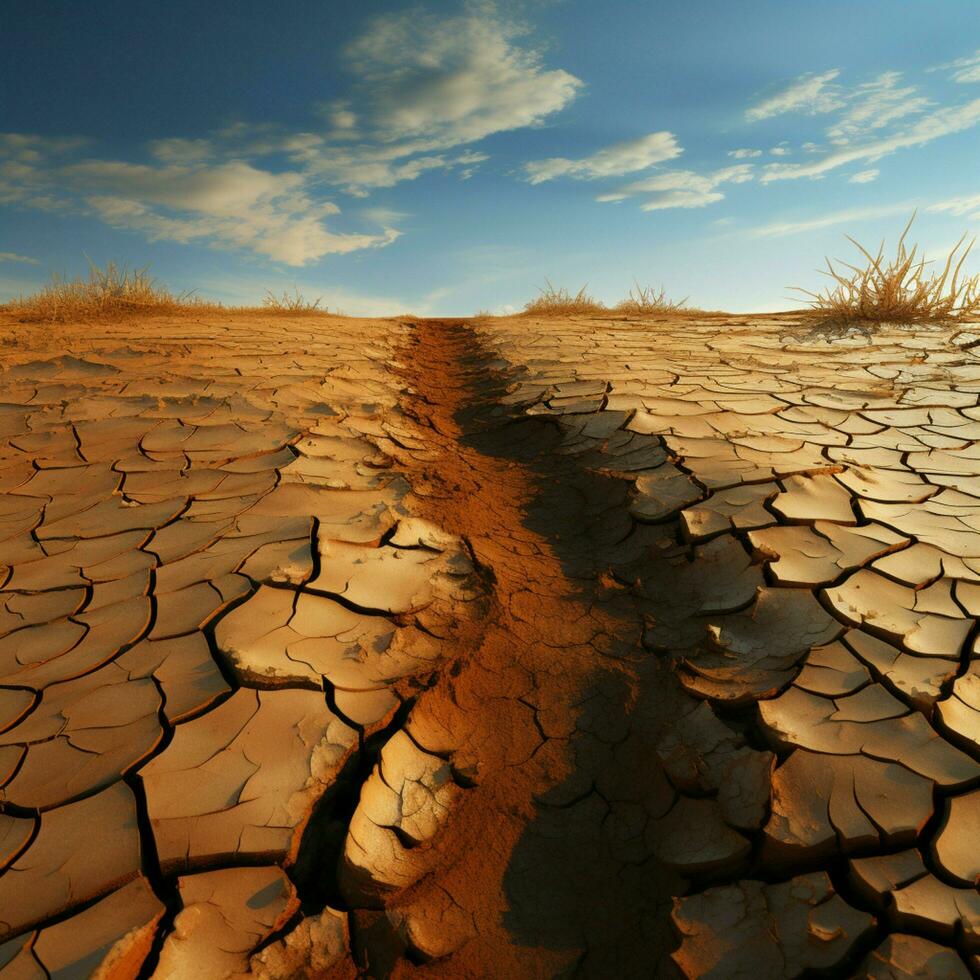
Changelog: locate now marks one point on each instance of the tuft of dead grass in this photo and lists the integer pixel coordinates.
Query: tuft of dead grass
(648, 302)
(642, 303)
(560, 302)
(108, 293)
(898, 291)
(116, 292)
(296, 303)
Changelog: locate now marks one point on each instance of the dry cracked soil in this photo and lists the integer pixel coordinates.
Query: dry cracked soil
(588, 647)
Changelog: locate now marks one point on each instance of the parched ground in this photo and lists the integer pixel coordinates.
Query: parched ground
(489, 648)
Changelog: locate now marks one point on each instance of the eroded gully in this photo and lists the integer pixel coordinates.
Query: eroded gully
(542, 869)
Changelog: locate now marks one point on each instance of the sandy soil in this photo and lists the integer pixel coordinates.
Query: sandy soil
(508, 648)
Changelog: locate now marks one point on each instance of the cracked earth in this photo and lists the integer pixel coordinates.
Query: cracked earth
(335, 648)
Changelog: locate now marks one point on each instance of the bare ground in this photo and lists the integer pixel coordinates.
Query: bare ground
(584, 647)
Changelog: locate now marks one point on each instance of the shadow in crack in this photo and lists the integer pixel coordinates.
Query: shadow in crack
(589, 875)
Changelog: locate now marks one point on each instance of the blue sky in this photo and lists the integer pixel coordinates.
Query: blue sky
(445, 157)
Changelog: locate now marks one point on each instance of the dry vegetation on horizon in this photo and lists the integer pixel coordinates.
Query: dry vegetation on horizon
(296, 303)
(560, 302)
(648, 302)
(640, 302)
(881, 291)
(899, 291)
(117, 292)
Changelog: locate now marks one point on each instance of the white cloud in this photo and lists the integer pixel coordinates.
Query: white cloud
(612, 161)
(426, 87)
(14, 257)
(29, 148)
(681, 199)
(744, 154)
(338, 114)
(941, 122)
(385, 216)
(446, 81)
(281, 234)
(966, 69)
(361, 168)
(969, 205)
(231, 205)
(25, 179)
(226, 190)
(875, 105)
(871, 121)
(778, 229)
(864, 176)
(681, 188)
(970, 74)
(811, 94)
(955, 206)
(350, 168)
(782, 150)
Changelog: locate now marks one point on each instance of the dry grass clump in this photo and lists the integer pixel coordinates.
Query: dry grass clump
(899, 291)
(560, 302)
(107, 293)
(297, 303)
(116, 292)
(641, 302)
(648, 302)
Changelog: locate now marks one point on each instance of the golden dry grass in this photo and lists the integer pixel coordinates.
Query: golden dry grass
(286, 303)
(117, 292)
(560, 302)
(641, 302)
(649, 302)
(109, 293)
(899, 291)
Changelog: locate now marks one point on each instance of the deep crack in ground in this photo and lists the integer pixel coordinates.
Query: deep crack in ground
(540, 704)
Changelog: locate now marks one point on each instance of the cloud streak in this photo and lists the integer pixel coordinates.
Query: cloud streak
(780, 229)
(941, 122)
(616, 160)
(965, 70)
(810, 93)
(968, 205)
(681, 188)
(875, 105)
